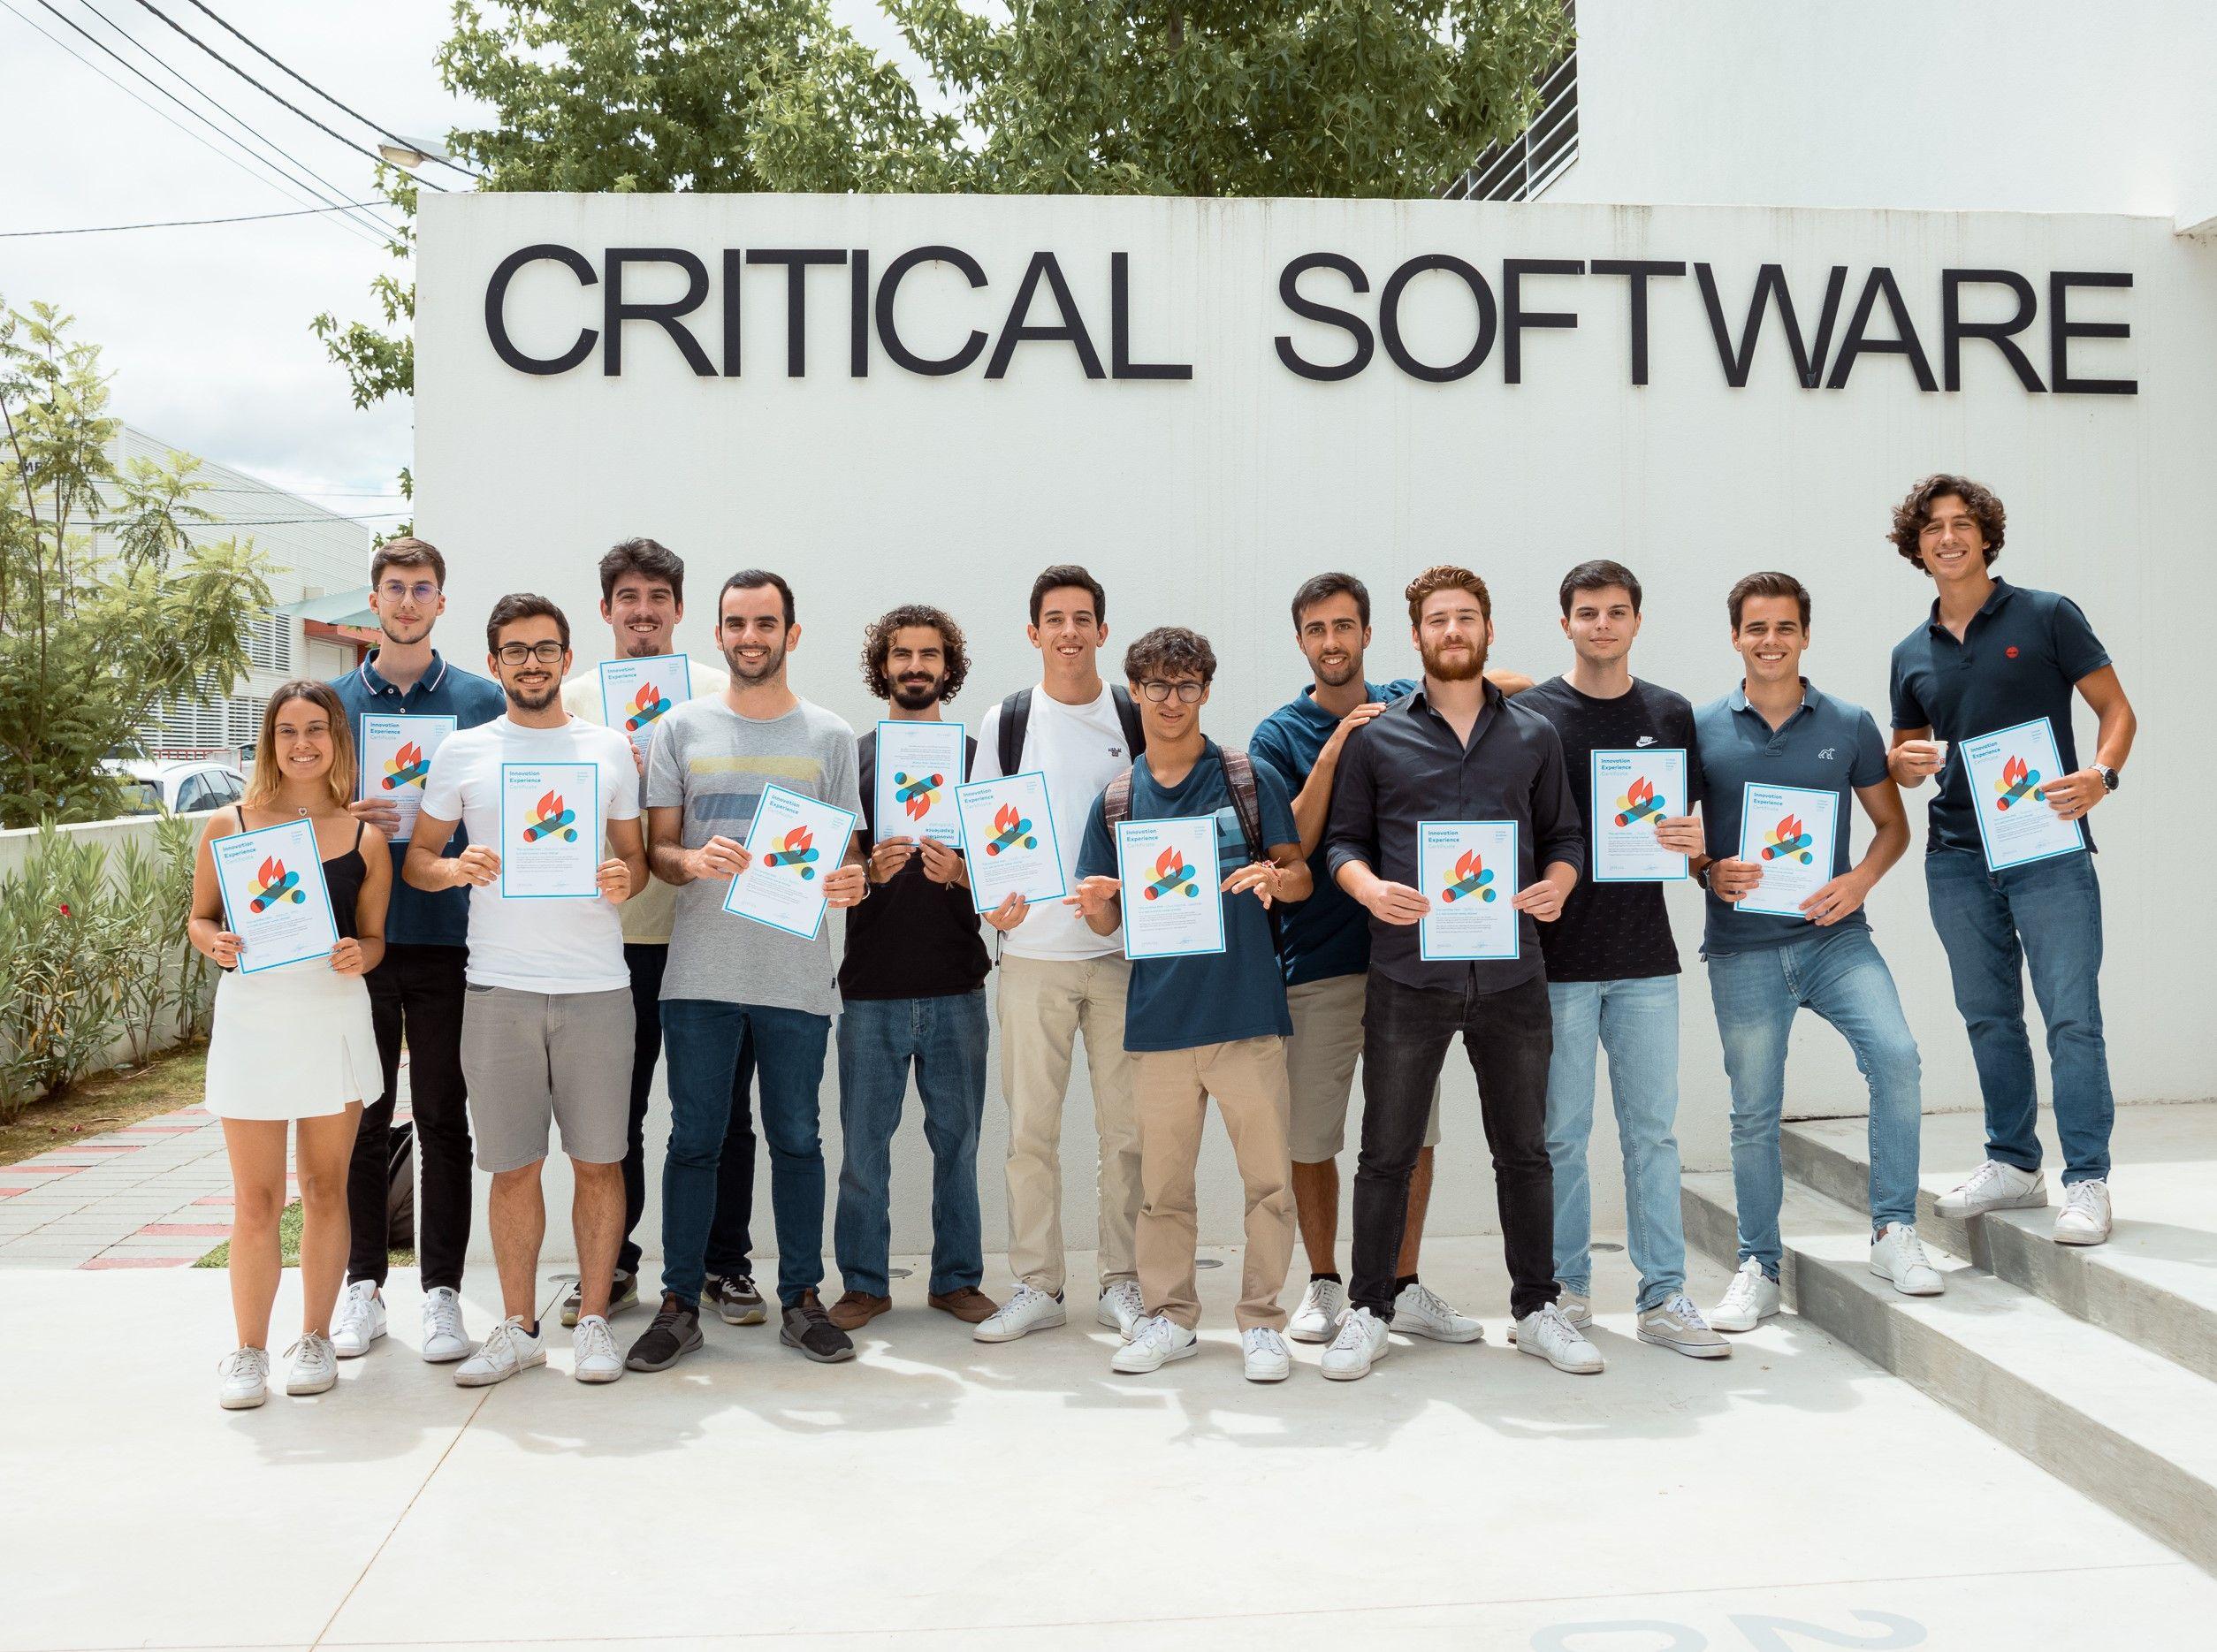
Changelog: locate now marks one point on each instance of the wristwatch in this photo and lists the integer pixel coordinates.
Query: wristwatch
(2109, 776)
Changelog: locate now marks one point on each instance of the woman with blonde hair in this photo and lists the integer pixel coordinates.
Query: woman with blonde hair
(294, 1045)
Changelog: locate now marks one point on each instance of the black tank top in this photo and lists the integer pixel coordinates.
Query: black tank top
(342, 875)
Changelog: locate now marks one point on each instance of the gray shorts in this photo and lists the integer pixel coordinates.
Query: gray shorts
(1320, 1065)
(530, 1058)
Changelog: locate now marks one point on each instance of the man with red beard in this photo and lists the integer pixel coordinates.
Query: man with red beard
(1456, 750)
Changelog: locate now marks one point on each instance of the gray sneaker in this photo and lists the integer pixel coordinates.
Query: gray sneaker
(623, 1294)
(1677, 1324)
(734, 1297)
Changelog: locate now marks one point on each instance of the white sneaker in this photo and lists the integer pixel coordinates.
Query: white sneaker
(1751, 1298)
(1995, 1186)
(1156, 1340)
(1269, 1359)
(1323, 1304)
(1677, 1324)
(1545, 1333)
(1028, 1310)
(1577, 1309)
(597, 1360)
(1419, 1310)
(1122, 1307)
(242, 1378)
(1361, 1343)
(2084, 1218)
(510, 1349)
(314, 1367)
(445, 1341)
(359, 1320)
(1898, 1257)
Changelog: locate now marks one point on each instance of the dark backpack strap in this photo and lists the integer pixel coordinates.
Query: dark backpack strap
(1239, 781)
(1016, 714)
(1116, 802)
(1135, 732)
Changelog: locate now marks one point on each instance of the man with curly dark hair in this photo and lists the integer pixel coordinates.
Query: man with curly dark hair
(912, 988)
(1990, 657)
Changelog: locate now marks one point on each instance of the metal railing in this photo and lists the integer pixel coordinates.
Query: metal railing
(1521, 168)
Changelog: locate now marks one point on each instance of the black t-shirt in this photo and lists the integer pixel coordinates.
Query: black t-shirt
(1612, 932)
(912, 938)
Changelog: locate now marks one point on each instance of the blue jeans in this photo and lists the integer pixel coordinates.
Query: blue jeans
(701, 1042)
(1839, 975)
(1636, 1022)
(2047, 914)
(945, 1038)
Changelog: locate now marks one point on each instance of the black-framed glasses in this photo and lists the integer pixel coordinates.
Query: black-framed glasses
(1189, 692)
(392, 590)
(546, 654)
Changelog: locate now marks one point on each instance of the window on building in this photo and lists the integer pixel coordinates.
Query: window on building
(270, 642)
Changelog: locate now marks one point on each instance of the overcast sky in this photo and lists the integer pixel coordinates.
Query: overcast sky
(206, 330)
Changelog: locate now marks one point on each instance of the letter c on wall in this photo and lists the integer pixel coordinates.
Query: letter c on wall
(497, 304)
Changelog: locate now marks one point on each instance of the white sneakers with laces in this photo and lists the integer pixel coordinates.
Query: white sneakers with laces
(1361, 1343)
(594, 1347)
(1419, 1310)
(1026, 1310)
(445, 1341)
(1751, 1298)
(1323, 1304)
(1995, 1186)
(1898, 1257)
(1675, 1324)
(1545, 1334)
(1156, 1340)
(1268, 1357)
(2084, 1218)
(510, 1349)
(315, 1365)
(242, 1378)
(359, 1320)
(1122, 1307)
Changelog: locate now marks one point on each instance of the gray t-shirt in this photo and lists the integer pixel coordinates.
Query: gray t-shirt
(714, 764)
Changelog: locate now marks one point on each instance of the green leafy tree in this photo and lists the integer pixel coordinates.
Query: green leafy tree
(107, 607)
(1233, 97)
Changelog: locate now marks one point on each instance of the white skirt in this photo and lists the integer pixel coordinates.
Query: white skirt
(291, 1043)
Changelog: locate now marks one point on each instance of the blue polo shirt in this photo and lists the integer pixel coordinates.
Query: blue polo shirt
(419, 917)
(1181, 1003)
(1827, 745)
(2022, 655)
(1328, 934)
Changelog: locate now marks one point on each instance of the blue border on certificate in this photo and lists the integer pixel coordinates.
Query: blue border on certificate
(959, 766)
(1516, 929)
(1979, 803)
(1593, 802)
(1223, 921)
(1046, 827)
(601, 826)
(361, 746)
(1740, 849)
(331, 920)
(683, 661)
(732, 889)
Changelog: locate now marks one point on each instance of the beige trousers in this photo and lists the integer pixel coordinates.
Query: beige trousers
(1044, 1005)
(1171, 1089)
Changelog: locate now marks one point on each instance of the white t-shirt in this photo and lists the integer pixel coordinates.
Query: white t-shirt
(1079, 749)
(534, 945)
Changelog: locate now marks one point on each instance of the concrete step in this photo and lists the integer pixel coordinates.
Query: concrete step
(2155, 1281)
(2126, 1427)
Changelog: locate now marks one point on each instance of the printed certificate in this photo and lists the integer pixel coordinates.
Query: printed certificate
(1172, 906)
(1008, 836)
(795, 841)
(275, 899)
(1791, 833)
(1469, 869)
(2008, 772)
(919, 765)
(395, 754)
(550, 830)
(1631, 791)
(636, 694)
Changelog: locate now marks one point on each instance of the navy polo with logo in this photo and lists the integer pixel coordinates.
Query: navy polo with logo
(2022, 655)
(1827, 745)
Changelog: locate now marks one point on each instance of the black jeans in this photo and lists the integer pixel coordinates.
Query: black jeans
(730, 1239)
(415, 996)
(1509, 1035)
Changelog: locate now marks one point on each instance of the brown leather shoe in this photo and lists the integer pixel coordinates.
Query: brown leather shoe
(857, 1309)
(970, 1304)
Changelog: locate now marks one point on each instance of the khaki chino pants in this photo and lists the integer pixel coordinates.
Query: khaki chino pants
(1171, 1089)
(1044, 1005)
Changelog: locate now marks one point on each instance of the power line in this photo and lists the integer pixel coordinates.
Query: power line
(179, 223)
(266, 92)
(381, 130)
(283, 183)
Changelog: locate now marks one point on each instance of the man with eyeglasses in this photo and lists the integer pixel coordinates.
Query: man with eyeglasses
(416, 992)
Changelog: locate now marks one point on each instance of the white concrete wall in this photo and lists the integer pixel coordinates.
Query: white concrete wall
(1984, 105)
(1205, 502)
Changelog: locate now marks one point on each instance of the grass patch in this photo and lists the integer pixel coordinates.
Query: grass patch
(95, 1106)
(289, 1245)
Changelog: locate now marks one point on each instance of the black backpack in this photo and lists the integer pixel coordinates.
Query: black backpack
(1116, 807)
(1016, 715)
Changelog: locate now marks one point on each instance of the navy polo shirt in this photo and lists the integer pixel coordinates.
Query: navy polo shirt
(1328, 934)
(2022, 655)
(421, 917)
(1827, 745)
